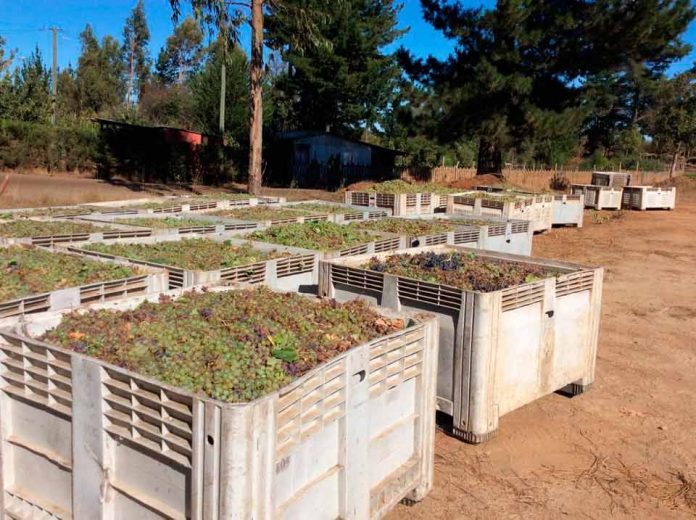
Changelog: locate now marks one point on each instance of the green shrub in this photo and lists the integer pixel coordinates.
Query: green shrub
(38, 145)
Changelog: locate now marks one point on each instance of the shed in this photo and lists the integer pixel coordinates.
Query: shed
(328, 160)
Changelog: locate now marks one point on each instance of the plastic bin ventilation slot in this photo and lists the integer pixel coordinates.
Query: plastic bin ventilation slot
(87, 440)
(498, 350)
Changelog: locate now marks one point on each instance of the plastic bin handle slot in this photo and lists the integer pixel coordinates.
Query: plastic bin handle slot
(359, 376)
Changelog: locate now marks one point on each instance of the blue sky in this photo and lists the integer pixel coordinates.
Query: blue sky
(22, 21)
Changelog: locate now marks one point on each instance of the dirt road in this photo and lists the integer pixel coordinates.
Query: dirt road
(627, 448)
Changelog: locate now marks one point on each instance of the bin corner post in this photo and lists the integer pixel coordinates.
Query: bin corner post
(270, 274)
(428, 406)
(64, 299)
(596, 309)
(354, 492)
(91, 469)
(483, 414)
(326, 286)
(390, 292)
(247, 460)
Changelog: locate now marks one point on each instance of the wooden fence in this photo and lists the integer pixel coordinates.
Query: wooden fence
(534, 179)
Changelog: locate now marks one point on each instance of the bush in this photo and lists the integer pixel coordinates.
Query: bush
(559, 182)
(38, 145)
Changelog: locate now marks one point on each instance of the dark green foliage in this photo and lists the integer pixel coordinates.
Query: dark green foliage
(519, 65)
(461, 270)
(319, 236)
(347, 80)
(200, 254)
(25, 271)
(673, 120)
(205, 89)
(38, 145)
(234, 346)
(99, 80)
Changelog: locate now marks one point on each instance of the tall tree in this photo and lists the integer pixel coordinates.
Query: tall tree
(226, 17)
(100, 86)
(527, 57)
(674, 116)
(6, 90)
(31, 90)
(182, 54)
(5, 60)
(348, 84)
(136, 64)
(204, 89)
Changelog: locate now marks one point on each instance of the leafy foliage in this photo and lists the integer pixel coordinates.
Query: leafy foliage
(164, 223)
(404, 226)
(319, 208)
(234, 346)
(462, 270)
(518, 66)
(320, 236)
(258, 213)
(200, 254)
(347, 84)
(182, 53)
(25, 271)
(136, 61)
(37, 145)
(33, 228)
(399, 186)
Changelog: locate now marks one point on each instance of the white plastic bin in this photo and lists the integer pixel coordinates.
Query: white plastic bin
(598, 197)
(647, 197)
(498, 350)
(86, 440)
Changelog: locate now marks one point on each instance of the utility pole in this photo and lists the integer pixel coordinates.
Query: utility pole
(222, 84)
(54, 73)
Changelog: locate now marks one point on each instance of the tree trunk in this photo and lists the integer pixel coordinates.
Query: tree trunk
(675, 160)
(490, 158)
(256, 109)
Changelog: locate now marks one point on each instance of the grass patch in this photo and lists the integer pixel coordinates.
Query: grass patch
(25, 271)
(320, 236)
(463, 270)
(198, 254)
(234, 346)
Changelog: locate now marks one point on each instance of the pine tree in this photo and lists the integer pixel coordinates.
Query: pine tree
(348, 83)
(673, 118)
(205, 92)
(99, 81)
(31, 90)
(136, 64)
(526, 58)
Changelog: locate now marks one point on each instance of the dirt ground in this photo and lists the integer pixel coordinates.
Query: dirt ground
(627, 448)
(34, 190)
